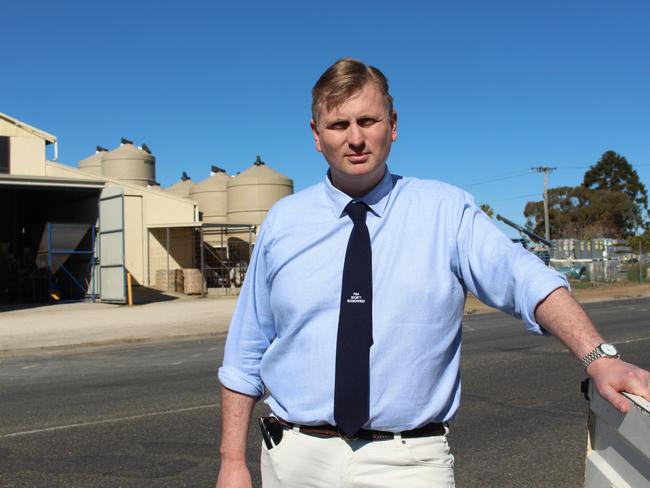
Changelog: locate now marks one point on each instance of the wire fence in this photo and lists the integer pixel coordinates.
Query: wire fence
(211, 259)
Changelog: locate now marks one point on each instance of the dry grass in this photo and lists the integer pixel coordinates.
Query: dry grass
(584, 294)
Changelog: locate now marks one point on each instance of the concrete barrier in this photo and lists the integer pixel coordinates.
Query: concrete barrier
(618, 445)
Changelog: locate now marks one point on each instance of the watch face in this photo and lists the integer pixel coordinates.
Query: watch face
(609, 349)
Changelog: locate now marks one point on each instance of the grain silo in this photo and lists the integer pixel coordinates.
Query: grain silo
(93, 163)
(212, 197)
(130, 164)
(254, 191)
(182, 187)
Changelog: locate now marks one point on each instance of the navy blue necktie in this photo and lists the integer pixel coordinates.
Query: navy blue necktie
(351, 390)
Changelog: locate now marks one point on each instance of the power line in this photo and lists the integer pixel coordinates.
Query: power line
(498, 178)
(515, 198)
(524, 173)
(516, 175)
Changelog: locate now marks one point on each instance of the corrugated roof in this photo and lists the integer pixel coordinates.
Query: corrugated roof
(33, 130)
(84, 175)
(49, 181)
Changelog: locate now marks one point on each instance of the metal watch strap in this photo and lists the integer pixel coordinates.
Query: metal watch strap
(595, 354)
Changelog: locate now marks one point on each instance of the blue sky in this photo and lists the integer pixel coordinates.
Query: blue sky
(483, 90)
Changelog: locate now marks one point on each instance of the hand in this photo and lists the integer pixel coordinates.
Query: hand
(234, 475)
(612, 376)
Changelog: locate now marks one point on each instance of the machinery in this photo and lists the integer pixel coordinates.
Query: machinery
(543, 251)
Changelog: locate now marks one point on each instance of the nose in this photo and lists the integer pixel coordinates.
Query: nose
(356, 136)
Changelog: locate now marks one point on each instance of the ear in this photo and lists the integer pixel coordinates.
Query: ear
(314, 131)
(393, 126)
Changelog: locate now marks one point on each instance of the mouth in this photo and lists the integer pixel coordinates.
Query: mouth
(357, 158)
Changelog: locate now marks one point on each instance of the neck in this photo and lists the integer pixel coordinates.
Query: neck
(356, 186)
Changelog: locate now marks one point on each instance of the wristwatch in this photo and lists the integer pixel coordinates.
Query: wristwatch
(602, 351)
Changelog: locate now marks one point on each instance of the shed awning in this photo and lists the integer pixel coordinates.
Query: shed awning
(48, 182)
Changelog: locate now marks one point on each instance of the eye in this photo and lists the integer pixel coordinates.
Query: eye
(339, 125)
(366, 122)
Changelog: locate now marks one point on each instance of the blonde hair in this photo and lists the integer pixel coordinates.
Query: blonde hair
(342, 80)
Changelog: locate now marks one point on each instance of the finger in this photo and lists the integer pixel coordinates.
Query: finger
(641, 391)
(637, 382)
(619, 402)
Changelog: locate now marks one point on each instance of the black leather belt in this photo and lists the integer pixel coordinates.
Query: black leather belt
(327, 430)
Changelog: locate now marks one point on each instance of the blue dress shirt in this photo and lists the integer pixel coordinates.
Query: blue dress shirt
(430, 244)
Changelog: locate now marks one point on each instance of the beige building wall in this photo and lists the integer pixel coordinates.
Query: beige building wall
(26, 156)
(59, 170)
(26, 146)
(143, 208)
(9, 129)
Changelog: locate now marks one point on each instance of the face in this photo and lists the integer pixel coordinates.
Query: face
(355, 139)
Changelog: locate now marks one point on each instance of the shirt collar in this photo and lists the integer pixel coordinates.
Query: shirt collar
(376, 199)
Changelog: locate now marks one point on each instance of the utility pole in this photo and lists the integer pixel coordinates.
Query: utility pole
(640, 261)
(546, 170)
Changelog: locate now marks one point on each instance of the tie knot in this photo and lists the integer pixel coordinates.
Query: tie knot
(357, 211)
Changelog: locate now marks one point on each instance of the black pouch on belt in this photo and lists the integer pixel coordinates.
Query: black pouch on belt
(271, 431)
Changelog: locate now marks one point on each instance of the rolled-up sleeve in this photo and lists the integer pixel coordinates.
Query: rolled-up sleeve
(499, 272)
(252, 327)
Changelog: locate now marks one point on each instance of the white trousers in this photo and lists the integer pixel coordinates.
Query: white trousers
(306, 461)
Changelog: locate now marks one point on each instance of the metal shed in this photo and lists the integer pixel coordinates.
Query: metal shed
(47, 245)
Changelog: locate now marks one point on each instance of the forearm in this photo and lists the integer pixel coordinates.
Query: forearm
(563, 317)
(236, 410)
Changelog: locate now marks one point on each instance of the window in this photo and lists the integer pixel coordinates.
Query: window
(4, 154)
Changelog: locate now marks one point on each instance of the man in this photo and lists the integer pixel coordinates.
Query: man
(350, 315)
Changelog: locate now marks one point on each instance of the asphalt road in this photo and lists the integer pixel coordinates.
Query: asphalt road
(147, 415)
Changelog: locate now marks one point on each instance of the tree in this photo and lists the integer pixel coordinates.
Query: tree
(578, 212)
(487, 209)
(613, 173)
(642, 240)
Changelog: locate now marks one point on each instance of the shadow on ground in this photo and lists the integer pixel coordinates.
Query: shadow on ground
(10, 307)
(141, 296)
